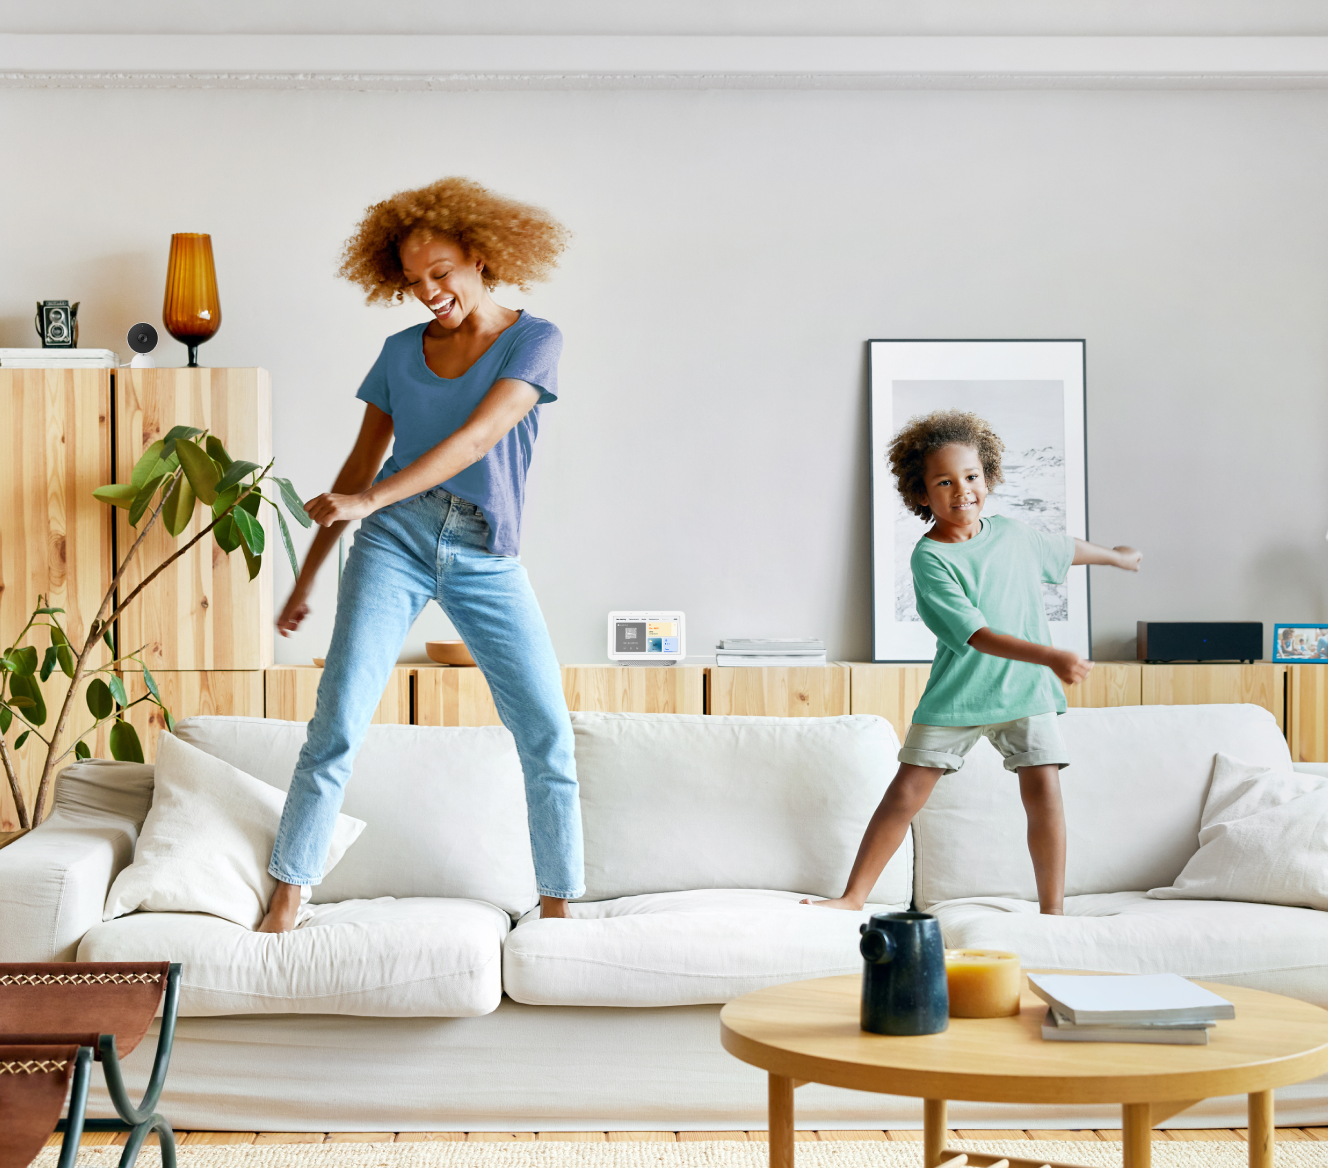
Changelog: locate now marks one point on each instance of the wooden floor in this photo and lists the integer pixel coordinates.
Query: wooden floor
(201, 1137)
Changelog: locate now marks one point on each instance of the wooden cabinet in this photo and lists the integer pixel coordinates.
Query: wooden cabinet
(448, 695)
(1260, 684)
(187, 692)
(818, 692)
(203, 612)
(674, 689)
(1307, 712)
(291, 693)
(1111, 683)
(55, 538)
(889, 691)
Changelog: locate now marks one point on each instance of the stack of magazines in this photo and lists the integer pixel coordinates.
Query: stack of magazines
(1153, 1007)
(759, 651)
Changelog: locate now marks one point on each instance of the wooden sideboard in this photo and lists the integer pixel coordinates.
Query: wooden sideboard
(427, 695)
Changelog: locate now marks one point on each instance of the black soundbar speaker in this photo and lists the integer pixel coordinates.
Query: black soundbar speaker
(1200, 640)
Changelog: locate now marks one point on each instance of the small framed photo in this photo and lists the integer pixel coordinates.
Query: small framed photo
(1306, 644)
(1032, 392)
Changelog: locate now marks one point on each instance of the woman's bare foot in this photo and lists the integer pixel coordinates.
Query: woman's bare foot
(281, 913)
(552, 906)
(839, 902)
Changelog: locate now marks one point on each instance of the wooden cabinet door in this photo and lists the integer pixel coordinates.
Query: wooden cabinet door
(55, 538)
(203, 612)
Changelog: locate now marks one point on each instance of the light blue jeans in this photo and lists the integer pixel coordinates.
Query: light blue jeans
(432, 547)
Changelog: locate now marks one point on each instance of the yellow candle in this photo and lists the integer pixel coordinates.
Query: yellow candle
(984, 983)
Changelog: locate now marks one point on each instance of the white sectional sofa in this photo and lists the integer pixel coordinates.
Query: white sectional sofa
(411, 1001)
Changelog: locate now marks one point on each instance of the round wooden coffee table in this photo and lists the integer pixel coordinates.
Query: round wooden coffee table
(808, 1031)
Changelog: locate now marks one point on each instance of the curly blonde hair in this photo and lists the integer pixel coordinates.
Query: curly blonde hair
(519, 244)
(924, 435)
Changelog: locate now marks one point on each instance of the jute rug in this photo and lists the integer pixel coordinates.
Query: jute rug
(713, 1154)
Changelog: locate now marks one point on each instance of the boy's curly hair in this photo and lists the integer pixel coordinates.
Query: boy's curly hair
(519, 244)
(923, 435)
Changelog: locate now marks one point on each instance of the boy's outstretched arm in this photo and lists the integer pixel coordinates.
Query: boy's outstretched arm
(1126, 558)
(1064, 663)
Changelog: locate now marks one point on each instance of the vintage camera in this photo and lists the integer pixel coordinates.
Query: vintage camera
(57, 324)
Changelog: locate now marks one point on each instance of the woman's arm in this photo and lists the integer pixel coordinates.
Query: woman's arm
(356, 475)
(1064, 663)
(1127, 558)
(506, 403)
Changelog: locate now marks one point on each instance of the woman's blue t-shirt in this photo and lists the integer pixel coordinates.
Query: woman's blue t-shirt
(426, 408)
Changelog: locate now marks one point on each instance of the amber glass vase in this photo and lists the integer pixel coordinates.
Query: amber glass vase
(191, 311)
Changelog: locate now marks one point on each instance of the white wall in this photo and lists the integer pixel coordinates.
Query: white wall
(733, 252)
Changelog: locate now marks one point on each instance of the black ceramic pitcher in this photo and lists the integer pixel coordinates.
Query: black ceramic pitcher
(903, 980)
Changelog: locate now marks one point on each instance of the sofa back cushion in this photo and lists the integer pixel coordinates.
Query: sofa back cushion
(672, 802)
(445, 807)
(1134, 794)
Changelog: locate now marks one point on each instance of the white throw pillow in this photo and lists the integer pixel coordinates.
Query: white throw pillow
(1263, 838)
(207, 840)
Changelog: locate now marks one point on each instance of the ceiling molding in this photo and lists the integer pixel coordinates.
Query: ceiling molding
(427, 62)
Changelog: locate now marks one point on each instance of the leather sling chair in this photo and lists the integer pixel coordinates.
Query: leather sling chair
(55, 1019)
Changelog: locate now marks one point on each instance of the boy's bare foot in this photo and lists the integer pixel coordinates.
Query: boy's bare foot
(843, 902)
(281, 913)
(552, 906)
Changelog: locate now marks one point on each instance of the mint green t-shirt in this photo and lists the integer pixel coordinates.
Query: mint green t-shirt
(994, 581)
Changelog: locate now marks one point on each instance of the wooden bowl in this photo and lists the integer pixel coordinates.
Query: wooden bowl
(449, 652)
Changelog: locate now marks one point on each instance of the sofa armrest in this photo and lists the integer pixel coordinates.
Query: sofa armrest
(54, 880)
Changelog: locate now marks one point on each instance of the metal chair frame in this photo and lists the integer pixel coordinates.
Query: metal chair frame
(139, 1121)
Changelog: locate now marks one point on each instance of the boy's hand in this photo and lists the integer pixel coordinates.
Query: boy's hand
(1070, 667)
(1128, 558)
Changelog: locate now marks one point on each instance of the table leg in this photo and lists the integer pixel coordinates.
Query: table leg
(1137, 1134)
(781, 1122)
(1261, 1129)
(933, 1131)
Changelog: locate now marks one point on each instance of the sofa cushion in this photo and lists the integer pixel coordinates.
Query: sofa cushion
(445, 807)
(678, 948)
(1264, 838)
(1265, 947)
(1134, 793)
(207, 840)
(672, 802)
(381, 958)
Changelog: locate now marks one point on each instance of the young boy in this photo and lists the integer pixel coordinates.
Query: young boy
(979, 589)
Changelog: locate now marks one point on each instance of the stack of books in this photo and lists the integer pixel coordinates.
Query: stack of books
(1153, 1007)
(759, 651)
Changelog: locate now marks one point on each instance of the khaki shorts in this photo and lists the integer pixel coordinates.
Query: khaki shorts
(1034, 741)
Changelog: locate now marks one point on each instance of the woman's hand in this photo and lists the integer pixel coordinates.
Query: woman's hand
(329, 509)
(297, 608)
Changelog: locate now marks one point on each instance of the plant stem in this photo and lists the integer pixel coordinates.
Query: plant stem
(99, 624)
(13, 784)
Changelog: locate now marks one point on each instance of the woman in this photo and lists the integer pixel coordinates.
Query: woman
(458, 397)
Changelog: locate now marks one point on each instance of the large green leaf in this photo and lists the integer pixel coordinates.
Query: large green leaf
(110, 641)
(151, 683)
(202, 471)
(251, 531)
(100, 703)
(146, 467)
(6, 719)
(22, 662)
(290, 547)
(46, 611)
(252, 562)
(21, 739)
(143, 500)
(57, 635)
(217, 452)
(117, 690)
(68, 663)
(179, 507)
(226, 535)
(117, 494)
(49, 662)
(225, 501)
(236, 472)
(291, 498)
(125, 746)
(27, 687)
(81, 749)
(168, 442)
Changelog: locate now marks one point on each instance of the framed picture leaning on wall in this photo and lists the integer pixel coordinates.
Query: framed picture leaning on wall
(1032, 394)
(1301, 643)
